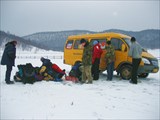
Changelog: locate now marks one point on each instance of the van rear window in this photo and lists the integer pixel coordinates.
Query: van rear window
(69, 44)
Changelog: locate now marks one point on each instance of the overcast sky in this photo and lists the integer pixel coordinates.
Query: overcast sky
(27, 17)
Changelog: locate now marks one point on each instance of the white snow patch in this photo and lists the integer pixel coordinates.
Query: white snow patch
(117, 99)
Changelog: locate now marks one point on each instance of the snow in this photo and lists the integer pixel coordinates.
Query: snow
(117, 99)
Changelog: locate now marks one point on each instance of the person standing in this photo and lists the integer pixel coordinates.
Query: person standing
(110, 59)
(86, 61)
(97, 52)
(135, 52)
(8, 59)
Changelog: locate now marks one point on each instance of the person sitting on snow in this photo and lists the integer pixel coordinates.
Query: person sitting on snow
(51, 71)
(76, 71)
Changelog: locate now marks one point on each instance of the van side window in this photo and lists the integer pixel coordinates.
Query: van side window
(69, 44)
(117, 43)
(102, 42)
(77, 44)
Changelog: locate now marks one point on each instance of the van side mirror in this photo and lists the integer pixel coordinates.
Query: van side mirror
(123, 48)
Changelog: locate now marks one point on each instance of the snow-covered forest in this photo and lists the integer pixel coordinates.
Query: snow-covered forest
(56, 40)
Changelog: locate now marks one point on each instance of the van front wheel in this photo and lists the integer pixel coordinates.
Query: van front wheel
(125, 72)
(143, 75)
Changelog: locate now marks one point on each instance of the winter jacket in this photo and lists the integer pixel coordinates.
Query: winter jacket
(135, 50)
(87, 54)
(9, 54)
(57, 69)
(110, 54)
(97, 52)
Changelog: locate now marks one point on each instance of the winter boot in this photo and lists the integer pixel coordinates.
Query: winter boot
(9, 82)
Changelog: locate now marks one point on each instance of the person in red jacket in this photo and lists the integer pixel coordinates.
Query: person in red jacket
(97, 52)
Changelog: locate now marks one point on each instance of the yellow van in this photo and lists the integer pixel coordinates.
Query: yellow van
(123, 64)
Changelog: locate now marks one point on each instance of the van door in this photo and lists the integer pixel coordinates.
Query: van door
(77, 51)
(68, 52)
(121, 55)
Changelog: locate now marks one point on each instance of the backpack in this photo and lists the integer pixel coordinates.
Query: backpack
(38, 76)
(26, 74)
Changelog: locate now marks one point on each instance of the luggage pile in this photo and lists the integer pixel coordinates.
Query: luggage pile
(48, 71)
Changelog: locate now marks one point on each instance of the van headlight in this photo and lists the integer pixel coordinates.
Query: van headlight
(155, 63)
(146, 61)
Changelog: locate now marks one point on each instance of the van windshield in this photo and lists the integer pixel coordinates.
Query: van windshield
(128, 41)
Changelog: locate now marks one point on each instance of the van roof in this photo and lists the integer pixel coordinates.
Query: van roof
(101, 35)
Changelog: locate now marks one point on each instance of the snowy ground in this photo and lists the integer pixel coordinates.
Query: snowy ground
(117, 99)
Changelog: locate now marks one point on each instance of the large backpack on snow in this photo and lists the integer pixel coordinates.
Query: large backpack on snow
(26, 74)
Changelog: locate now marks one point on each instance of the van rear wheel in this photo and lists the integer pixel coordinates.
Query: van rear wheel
(125, 72)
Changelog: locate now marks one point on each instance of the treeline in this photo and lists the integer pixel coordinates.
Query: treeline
(149, 39)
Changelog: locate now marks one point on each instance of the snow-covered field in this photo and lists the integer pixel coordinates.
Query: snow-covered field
(117, 99)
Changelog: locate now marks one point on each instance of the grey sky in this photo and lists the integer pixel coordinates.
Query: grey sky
(27, 17)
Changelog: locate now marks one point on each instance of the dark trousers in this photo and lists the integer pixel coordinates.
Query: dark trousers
(95, 69)
(8, 73)
(110, 69)
(135, 64)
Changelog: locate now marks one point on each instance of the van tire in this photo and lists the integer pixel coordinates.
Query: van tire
(125, 72)
(143, 75)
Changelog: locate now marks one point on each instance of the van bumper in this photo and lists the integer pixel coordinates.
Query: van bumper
(148, 69)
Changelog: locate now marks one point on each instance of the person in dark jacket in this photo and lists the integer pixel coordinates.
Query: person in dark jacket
(86, 62)
(97, 52)
(135, 52)
(8, 59)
